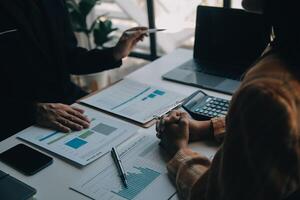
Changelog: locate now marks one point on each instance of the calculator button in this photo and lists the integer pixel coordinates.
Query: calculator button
(204, 108)
(205, 112)
(224, 112)
(197, 110)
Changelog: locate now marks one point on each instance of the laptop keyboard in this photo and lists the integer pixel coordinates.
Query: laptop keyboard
(193, 66)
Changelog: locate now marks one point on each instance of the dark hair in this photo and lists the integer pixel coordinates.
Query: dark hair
(284, 16)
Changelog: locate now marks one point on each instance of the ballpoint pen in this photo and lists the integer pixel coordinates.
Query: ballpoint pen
(119, 165)
(146, 31)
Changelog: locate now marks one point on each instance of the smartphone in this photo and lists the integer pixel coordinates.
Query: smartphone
(25, 159)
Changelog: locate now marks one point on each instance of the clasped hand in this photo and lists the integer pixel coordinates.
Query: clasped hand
(176, 130)
(173, 131)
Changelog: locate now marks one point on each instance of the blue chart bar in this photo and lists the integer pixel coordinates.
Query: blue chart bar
(154, 94)
(76, 143)
(48, 136)
(137, 182)
(159, 92)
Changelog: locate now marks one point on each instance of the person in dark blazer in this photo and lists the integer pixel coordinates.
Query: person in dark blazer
(38, 53)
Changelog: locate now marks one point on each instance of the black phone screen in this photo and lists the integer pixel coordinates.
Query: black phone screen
(25, 159)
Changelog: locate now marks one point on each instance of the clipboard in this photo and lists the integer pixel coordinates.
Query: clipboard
(163, 111)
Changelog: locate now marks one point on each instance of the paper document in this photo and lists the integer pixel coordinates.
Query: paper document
(146, 174)
(83, 146)
(134, 100)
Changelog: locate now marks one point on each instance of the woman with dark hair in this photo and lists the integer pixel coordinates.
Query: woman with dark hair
(259, 158)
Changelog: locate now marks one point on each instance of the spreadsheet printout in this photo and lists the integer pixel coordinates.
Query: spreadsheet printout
(134, 100)
(82, 147)
(146, 172)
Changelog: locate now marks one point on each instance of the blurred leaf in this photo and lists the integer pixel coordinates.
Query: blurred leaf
(101, 31)
(86, 6)
(78, 14)
(78, 21)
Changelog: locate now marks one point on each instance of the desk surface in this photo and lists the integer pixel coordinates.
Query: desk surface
(54, 181)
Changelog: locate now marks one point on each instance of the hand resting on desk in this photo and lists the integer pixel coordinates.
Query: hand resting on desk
(61, 117)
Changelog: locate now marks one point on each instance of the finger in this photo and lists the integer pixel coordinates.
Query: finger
(184, 115)
(174, 113)
(78, 115)
(58, 126)
(69, 124)
(136, 41)
(173, 117)
(157, 128)
(78, 110)
(183, 122)
(162, 125)
(134, 36)
(76, 120)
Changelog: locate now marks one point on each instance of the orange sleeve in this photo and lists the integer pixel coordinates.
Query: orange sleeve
(219, 127)
(185, 169)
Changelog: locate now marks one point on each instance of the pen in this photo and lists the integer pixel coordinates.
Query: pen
(154, 30)
(118, 163)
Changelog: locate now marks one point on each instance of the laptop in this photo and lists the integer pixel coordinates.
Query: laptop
(227, 42)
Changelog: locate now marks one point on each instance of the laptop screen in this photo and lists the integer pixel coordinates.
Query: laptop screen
(232, 37)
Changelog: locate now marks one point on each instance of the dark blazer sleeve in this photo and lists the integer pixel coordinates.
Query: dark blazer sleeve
(81, 60)
(17, 104)
(17, 113)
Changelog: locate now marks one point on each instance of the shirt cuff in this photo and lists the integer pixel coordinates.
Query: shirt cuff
(180, 157)
(219, 128)
(108, 54)
(185, 169)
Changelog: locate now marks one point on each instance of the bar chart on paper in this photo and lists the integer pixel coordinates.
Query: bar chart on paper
(83, 146)
(146, 176)
(137, 182)
(134, 100)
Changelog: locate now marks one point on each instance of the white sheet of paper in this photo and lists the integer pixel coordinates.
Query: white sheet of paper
(134, 100)
(84, 146)
(147, 177)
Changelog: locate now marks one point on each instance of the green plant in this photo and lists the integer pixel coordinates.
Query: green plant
(100, 28)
